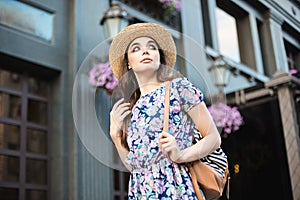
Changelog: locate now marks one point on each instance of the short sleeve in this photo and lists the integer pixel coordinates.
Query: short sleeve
(189, 94)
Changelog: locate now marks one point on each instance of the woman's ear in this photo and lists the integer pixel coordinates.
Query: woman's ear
(128, 66)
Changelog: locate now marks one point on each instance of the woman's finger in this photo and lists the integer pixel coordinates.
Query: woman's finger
(124, 114)
(164, 140)
(118, 103)
(119, 109)
(122, 105)
(163, 134)
(165, 146)
(122, 108)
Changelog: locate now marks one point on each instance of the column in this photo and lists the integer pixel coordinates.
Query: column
(282, 82)
(273, 45)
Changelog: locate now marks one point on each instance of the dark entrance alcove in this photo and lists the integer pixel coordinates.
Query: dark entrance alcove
(257, 155)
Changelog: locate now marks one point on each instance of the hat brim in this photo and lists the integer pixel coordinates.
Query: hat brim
(120, 43)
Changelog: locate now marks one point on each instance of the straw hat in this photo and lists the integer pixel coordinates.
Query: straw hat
(126, 36)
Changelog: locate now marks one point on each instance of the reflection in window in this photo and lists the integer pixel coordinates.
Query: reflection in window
(293, 56)
(10, 106)
(26, 18)
(36, 141)
(36, 194)
(37, 86)
(37, 112)
(9, 193)
(227, 35)
(9, 137)
(10, 80)
(32, 167)
(9, 168)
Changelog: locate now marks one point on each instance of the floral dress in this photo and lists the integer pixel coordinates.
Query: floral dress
(154, 176)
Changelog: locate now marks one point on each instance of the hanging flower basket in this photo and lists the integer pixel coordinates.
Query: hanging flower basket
(225, 117)
(294, 72)
(171, 5)
(101, 76)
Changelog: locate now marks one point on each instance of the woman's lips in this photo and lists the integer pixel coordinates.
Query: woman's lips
(146, 60)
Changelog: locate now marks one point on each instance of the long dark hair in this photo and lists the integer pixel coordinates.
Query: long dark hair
(128, 87)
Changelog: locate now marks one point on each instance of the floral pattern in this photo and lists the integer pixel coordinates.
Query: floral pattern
(154, 176)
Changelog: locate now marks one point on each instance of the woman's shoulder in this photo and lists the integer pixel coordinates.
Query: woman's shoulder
(179, 82)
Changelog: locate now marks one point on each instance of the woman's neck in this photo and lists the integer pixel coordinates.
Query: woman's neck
(148, 85)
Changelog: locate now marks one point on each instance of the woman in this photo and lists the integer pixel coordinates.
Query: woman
(141, 57)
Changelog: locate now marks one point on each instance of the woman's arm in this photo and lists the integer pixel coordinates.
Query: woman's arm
(211, 138)
(117, 115)
(122, 150)
(205, 124)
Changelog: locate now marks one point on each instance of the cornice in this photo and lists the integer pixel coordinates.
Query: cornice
(280, 15)
(271, 14)
(282, 78)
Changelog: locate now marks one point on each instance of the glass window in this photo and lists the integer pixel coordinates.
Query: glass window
(10, 106)
(37, 112)
(37, 87)
(9, 137)
(9, 168)
(293, 57)
(19, 140)
(32, 167)
(227, 35)
(36, 141)
(10, 80)
(9, 193)
(26, 18)
(36, 195)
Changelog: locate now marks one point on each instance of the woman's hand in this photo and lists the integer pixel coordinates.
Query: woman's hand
(169, 147)
(117, 115)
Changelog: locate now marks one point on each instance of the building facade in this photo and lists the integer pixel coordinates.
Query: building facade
(43, 45)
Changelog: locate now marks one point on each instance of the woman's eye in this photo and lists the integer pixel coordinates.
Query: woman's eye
(134, 49)
(152, 47)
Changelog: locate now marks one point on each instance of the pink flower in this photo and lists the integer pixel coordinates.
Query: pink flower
(171, 4)
(226, 117)
(101, 75)
(293, 71)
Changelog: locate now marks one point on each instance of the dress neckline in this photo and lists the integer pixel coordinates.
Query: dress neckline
(158, 88)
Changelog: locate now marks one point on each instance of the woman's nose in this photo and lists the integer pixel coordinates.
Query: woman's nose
(145, 52)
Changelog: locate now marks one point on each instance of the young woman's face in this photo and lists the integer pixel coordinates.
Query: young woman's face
(143, 56)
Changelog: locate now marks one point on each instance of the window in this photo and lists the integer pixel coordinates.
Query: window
(297, 105)
(121, 180)
(23, 137)
(227, 35)
(233, 32)
(156, 10)
(293, 56)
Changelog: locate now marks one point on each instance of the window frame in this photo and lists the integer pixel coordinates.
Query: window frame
(21, 185)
